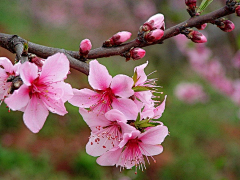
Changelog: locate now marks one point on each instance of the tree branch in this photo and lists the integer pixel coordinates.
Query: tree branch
(74, 57)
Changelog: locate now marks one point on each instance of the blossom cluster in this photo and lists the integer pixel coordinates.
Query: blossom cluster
(190, 93)
(210, 68)
(120, 111)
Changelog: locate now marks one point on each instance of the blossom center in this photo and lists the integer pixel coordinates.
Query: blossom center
(133, 153)
(104, 103)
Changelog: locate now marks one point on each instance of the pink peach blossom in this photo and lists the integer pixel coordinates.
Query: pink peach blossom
(110, 93)
(107, 130)
(149, 111)
(8, 70)
(134, 146)
(190, 93)
(41, 92)
(141, 80)
(143, 98)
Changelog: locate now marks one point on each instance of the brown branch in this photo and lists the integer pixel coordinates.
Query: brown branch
(10, 42)
(74, 58)
(168, 33)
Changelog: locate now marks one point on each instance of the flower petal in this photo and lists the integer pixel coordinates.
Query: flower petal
(99, 78)
(93, 119)
(122, 86)
(141, 76)
(28, 73)
(144, 96)
(159, 109)
(115, 115)
(96, 145)
(6, 64)
(55, 68)
(154, 135)
(66, 89)
(18, 99)
(4, 85)
(151, 150)
(35, 114)
(84, 98)
(126, 128)
(110, 158)
(127, 107)
(55, 106)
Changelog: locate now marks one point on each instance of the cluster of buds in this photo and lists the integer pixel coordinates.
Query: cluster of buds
(195, 36)
(84, 48)
(152, 30)
(191, 7)
(134, 53)
(117, 39)
(225, 25)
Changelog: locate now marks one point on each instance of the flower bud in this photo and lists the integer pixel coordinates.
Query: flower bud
(154, 35)
(155, 22)
(38, 61)
(202, 26)
(191, 3)
(197, 37)
(137, 53)
(227, 26)
(121, 37)
(85, 47)
(237, 10)
(117, 39)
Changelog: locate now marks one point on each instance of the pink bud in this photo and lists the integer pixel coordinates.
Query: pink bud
(120, 37)
(85, 47)
(156, 22)
(237, 10)
(191, 3)
(202, 26)
(227, 26)
(197, 37)
(154, 35)
(137, 53)
(38, 61)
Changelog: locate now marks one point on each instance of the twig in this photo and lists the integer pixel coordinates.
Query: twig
(74, 58)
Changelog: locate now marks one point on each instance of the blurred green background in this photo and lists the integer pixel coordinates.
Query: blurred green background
(204, 141)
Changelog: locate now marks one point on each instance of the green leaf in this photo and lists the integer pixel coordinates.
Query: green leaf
(143, 121)
(25, 44)
(145, 125)
(141, 88)
(138, 118)
(135, 77)
(204, 5)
